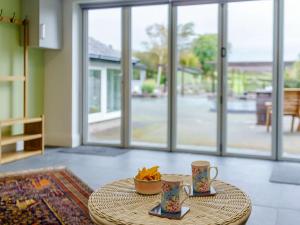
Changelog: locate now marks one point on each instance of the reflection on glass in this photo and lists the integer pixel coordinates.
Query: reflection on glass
(94, 82)
(197, 76)
(114, 90)
(291, 105)
(149, 79)
(250, 62)
(104, 81)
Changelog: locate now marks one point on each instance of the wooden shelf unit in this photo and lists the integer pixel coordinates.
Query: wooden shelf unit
(10, 122)
(11, 78)
(33, 128)
(32, 136)
(16, 138)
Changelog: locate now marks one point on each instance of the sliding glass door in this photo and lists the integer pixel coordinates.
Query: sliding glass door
(149, 82)
(250, 77)
(197, 77)
(104, 76)
(291, 87)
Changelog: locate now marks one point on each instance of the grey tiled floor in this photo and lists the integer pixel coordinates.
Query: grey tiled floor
(273, 204)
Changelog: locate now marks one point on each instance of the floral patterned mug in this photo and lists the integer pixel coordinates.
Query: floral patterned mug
(172, 189)
(201, 176)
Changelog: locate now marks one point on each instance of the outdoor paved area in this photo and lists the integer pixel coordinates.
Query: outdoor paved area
(197, 125)
(273, 204)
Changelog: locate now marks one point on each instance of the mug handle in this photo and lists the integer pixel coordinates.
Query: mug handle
(187, 194)
(216, 169)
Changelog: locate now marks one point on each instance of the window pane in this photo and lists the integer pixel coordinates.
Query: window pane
(104, 82)
(291, 105)
(149, 82)
(94, 91)
(113, 90)
(197, 77)
(250, 63)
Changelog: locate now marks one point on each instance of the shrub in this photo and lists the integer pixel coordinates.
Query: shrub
(292, 84)
(148, 86)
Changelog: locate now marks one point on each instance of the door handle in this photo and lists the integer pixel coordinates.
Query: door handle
(223, 52)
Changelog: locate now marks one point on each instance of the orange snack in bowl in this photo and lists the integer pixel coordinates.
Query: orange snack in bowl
(149, 174)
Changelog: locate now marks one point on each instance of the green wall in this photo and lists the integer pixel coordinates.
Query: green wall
(11, 63)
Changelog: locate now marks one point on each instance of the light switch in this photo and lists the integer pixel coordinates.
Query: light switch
(42, 31)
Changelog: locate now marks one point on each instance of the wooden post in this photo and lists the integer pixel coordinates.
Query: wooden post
(25, 56)
(43, 134)
(0, 143)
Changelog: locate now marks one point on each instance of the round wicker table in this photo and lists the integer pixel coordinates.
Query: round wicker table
(118, 203)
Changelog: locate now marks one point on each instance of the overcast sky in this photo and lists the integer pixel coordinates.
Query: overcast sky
(250, 26)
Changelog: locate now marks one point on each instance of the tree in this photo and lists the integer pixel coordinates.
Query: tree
(185, 32)
(155, 57)
(292, 75)
(205, 48)
(186, 56)
(158, 45)
(187, 59)
(295, 71)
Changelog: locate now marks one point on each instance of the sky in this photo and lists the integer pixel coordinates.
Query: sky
(250, 26)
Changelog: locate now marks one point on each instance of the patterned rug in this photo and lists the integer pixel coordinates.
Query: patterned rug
(47, 196)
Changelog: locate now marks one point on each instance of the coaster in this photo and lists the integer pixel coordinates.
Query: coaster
(156, 211)
(212, 192)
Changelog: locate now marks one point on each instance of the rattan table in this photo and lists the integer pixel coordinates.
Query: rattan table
(118, 203)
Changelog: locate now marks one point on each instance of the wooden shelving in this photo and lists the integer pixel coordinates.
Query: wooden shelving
(33, 128)
(16, 138)
(11, 122)
(11, 78)
(32, 136)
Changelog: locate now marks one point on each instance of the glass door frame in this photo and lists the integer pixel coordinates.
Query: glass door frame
(278, 84)
(126, 65)
(281, 81)
(275, 86)
(124, 70)
(169, 76)
(222, 149)
(173, 103)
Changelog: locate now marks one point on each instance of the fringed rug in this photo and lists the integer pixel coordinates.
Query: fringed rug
(47, 196)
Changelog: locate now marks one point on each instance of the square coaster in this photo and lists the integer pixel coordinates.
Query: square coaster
(156, 211)
(212, 192)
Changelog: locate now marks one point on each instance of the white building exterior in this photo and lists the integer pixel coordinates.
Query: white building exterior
(105, 79)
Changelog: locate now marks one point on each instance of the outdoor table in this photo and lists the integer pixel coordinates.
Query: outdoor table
(118, 203)
(261, 111)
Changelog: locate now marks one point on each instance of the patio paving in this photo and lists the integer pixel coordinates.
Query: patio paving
(197, 125)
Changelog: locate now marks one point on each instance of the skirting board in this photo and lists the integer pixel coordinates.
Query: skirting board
(62, 139)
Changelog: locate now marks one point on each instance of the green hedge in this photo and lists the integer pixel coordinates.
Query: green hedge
(148, 86)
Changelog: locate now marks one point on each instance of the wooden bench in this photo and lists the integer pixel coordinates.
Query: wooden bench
(291, 107)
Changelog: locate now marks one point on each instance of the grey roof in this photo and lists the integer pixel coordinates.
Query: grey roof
(100, 51)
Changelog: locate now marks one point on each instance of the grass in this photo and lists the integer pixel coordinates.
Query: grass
(238, 83)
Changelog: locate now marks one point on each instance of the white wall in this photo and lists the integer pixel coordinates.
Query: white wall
(60, 80)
